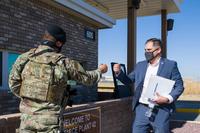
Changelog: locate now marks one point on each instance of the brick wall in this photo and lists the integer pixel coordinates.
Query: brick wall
(9, 123)
(22, 23)
(8, 103)
(116, 116)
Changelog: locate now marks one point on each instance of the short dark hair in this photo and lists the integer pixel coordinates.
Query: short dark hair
(156, 42)
(57, 32)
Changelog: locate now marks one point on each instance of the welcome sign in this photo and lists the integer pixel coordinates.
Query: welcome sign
(83, 121)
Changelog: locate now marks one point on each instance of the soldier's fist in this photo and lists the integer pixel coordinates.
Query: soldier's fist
(103, 68)
(117, 68)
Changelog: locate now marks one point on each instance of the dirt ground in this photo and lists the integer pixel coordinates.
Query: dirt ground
(190, 97)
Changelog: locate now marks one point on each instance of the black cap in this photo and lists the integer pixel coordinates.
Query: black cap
(57, 32)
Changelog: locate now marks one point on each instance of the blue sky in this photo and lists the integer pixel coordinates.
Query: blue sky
(183, 41)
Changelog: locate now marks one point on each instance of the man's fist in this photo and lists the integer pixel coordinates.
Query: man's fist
(103, 68)
(117, 68)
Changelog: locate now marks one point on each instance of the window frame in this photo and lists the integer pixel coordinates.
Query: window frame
(1, 69)
(5, 72)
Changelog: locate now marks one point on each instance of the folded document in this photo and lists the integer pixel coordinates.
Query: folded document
(160, 85)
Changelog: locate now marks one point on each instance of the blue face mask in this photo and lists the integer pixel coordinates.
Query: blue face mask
(149, 55)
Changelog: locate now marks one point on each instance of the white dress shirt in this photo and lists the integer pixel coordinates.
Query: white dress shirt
(152, 69)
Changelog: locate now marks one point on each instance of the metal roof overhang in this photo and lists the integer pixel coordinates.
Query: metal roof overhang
(83, 10)
(103, 13)
(117, 9)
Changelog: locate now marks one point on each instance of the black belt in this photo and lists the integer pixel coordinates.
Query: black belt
(146, 105)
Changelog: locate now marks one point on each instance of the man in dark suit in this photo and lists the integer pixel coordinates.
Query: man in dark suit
(153, 65)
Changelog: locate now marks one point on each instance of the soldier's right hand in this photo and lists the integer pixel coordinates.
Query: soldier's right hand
(103, 68)
(116, 68)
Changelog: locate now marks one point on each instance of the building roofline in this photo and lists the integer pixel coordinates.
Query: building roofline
(89, 11)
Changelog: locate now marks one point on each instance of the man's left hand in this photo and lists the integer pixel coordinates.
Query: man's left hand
(160, 99)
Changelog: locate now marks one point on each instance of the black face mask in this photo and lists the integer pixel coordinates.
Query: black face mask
(149, 55)
(52, 44)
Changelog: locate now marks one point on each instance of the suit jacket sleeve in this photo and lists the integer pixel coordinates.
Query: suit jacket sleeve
(178, 87)
(126, 79)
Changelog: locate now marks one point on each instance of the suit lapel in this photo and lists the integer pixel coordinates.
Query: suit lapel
(161, 65)
(144, 70)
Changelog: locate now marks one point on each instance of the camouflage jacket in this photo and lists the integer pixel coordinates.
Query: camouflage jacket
(71, 70)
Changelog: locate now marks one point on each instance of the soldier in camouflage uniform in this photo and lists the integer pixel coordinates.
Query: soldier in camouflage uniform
(39, 78)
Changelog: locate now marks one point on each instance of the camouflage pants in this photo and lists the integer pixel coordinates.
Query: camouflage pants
(39, 124)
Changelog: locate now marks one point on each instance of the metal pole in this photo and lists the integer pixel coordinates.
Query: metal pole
(164, 32)
(133, 5)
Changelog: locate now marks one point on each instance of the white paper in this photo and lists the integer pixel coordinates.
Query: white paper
(160, 85)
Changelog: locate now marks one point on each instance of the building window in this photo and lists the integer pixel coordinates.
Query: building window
(11, 60)
(7, 59)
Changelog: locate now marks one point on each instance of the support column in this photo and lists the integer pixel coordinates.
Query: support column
(133, 5)
(164, 32)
